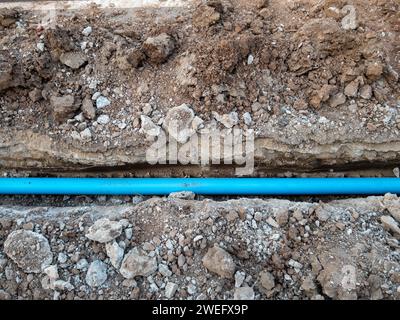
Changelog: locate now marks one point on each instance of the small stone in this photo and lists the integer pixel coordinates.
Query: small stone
(351, 89)
(96, 274)
(29, 250)
(104, 230)
(62, 285)
(272, 222)
(147, 109)
(218, 261)
(337, 100)
(86, 134)
(184, 195)
(396, 172)
(103, 119)
(148, 127)
(247, 119)
(170, 289)
(250, 59)
(159, 48)
(51, 272)
(349, 22)
(390, 224)
(267, 280)
(282, 217)
(74, 60)
(87, 31)
(228, 120)
(62, 257)
(137, 263)
(366, 92)
(88, 109)
(164, 270)
(239, 278)
(40, 46)
(309, 286)
(115, 253)
(102, 102)
(295, 264)
(82, 264)
(244, 293)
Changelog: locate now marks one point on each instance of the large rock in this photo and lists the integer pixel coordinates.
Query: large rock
(29, 250)
(159, 48)
(138, 263)
(104, 230)
(96, 274)
(219, 261)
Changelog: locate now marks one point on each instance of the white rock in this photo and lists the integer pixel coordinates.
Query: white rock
(115, 253)
(149, 127)
(104, 230)
(185, 195)
(86, 134)
(239, 278)
(82, 264)
(51, 272)
(62, 257)
(170, 289)
(250, 59)
(102, 102)
(96, 274)
(96, 94)
(40, 46)
(164, 270)
(247, 119)
(244, 293)
(62, 285)
(87, 31)
(228, 120)
(349, 22)
(103, 119)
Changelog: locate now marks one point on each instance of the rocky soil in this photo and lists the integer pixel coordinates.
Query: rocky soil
(317, 81)
(181, 248)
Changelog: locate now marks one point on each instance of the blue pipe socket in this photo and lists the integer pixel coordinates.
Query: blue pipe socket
(203, 186)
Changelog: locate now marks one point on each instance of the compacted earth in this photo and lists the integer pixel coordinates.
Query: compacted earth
(86, 92)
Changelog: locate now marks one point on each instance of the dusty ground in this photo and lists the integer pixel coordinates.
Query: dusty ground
(89, 95)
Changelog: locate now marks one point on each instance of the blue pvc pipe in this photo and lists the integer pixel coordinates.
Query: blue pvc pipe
(205, 186)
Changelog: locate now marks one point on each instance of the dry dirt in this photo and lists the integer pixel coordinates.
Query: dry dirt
(88, 95)
(318, 96)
